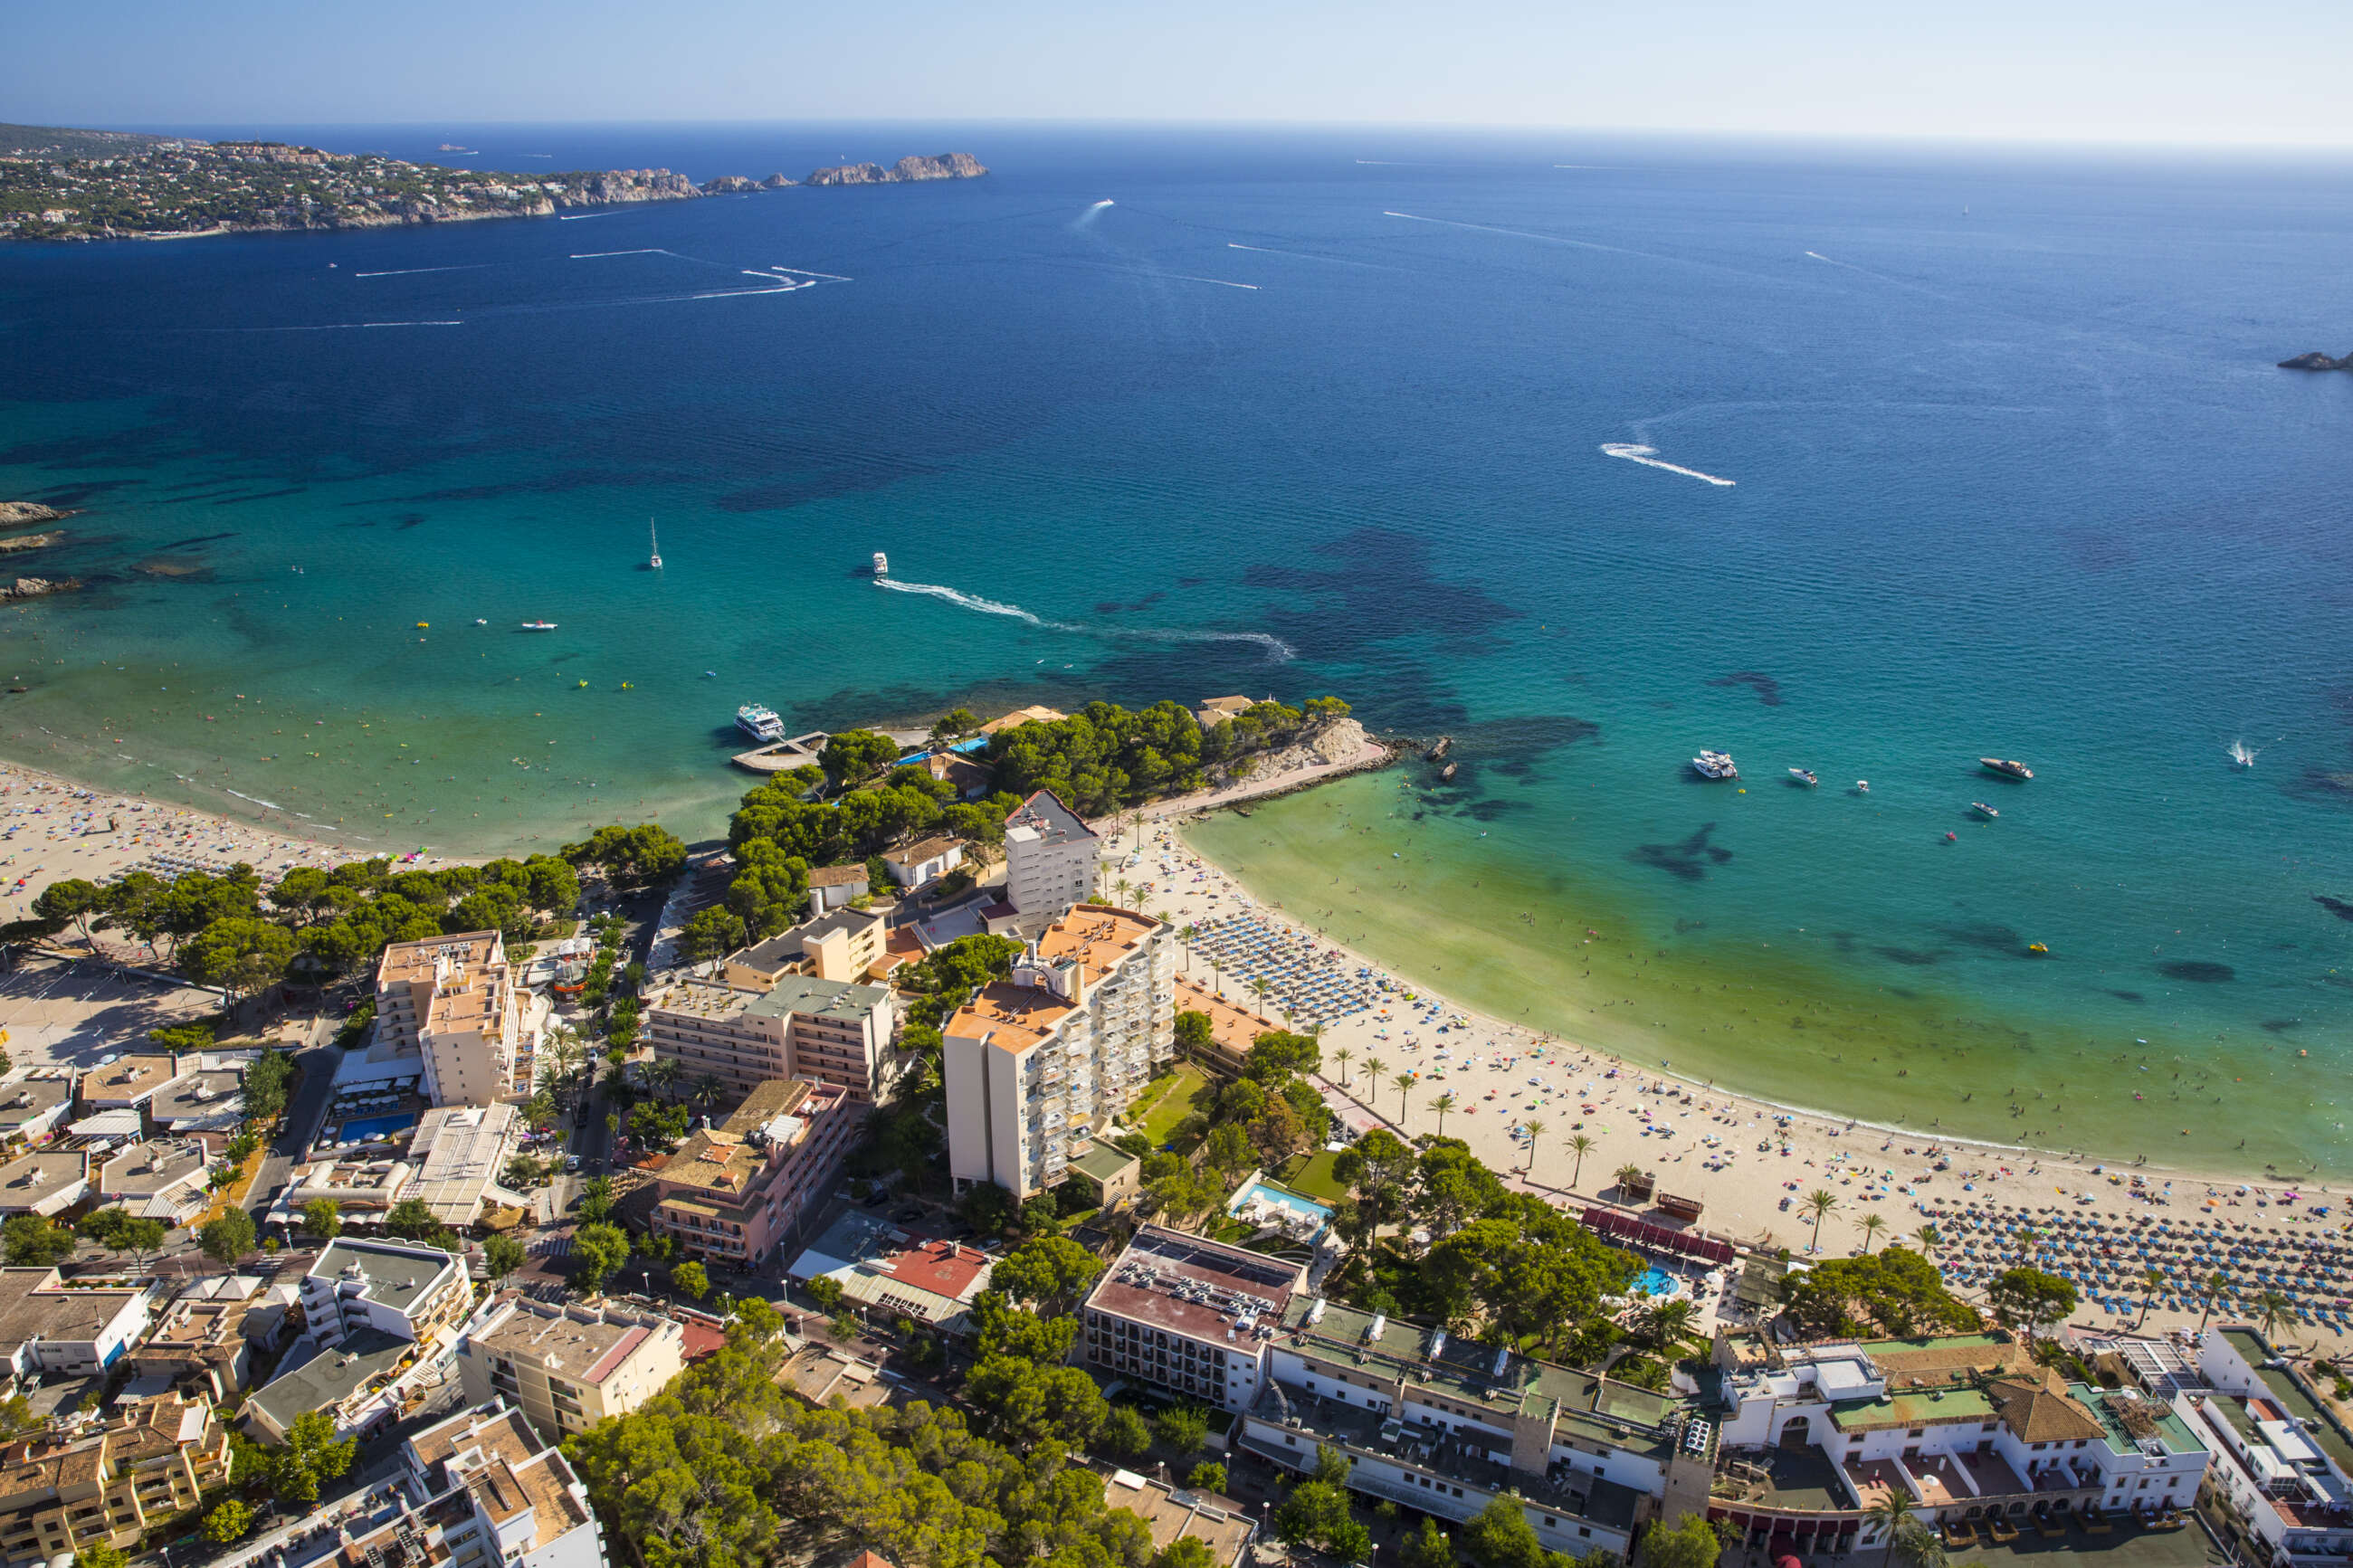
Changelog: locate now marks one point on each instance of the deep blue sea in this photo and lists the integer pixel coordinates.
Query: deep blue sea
(2012, 473)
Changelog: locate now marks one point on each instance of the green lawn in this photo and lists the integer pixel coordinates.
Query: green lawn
(1168, 1102)
(1310, 1176)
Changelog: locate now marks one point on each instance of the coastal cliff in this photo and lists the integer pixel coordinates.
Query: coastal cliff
(2317, 361)
(939, 166)
(169, 189)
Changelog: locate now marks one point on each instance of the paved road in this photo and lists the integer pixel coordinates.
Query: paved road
(300, 1125)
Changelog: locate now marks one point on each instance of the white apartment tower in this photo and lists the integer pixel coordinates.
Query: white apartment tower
(452, 1000)
(1049, 856)
(1037, 1064)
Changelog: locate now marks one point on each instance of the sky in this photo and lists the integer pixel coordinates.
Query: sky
(2255, 73)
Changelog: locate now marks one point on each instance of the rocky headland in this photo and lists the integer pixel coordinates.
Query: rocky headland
(161, 189)
(2317, 361)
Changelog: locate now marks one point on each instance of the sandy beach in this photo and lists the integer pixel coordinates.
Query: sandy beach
(52, 829)
(1742, 1158)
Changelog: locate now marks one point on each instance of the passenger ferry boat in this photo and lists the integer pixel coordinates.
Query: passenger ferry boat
(760, 723)
(1715, 765)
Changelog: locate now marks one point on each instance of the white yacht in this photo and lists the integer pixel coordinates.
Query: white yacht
(653, 559)
(881, 564)
(1715, 765)
(760, 723)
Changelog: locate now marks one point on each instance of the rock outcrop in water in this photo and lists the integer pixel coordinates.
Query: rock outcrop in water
(941, 167)
(30, 540)
(13, 513)
(2317, 361)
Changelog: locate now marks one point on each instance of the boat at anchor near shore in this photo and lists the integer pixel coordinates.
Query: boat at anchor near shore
(1715, 765)
(2006, 768)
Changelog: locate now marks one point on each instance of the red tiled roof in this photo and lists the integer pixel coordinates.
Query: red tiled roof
(701, 1340)
(940, 1267)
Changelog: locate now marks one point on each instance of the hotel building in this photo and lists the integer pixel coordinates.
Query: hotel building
(568, 1367)
(732, 1193)
(451, 999)
(829, 1030)
(1034, 1064)
(1049, 856)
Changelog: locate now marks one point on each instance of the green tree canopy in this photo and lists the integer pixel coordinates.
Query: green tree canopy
(312, 1454)
(29, 1240)
(229, 1237)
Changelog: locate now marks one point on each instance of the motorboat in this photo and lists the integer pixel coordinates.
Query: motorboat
(881, 564)
(1862, 786)
(2242, 755)
(1982, 809)
(2006, 768)
(653, 558)
(1715, 765)
(760, 723)
(539, 625)
(1806, 777)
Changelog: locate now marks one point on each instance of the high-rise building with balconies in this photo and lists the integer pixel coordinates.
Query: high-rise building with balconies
(1037, 1063)
(452, 1000)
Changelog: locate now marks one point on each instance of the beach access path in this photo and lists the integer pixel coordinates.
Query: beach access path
(1740, 1157)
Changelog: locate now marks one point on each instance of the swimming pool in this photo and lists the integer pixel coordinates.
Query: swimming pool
(363, 1128)
(1657, 1281)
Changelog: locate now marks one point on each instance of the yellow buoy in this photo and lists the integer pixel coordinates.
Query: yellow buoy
(584, 683)
(424, 625)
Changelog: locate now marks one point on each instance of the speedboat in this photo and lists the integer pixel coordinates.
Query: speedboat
(2242, 755)
(1982, 809)
(1715, 765)
(1805, 776)
(480, 622)
(1862, 786)
(881, 564)
(760, 723)
(539, 625)
(2007, 769)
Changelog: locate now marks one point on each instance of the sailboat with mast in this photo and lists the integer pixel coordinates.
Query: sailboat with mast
(653, 561)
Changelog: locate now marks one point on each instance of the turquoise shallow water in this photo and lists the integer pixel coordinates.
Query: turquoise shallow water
(2013, 475)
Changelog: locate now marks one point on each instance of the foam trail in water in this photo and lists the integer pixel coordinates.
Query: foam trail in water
(411, 271)
(1277, 650)
(1524, 233)
(1648, 457)
(255, 798)
(1311, 255)
(598, 255)
(1188, 278)
(1086, 220)
(804, 272)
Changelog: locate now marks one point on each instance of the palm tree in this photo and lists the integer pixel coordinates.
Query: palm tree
(1871, 1226)
(2216, 1284)
(1187, 937)
(1819, 1204)
(1579, 1144)
(1442, 1104)
(2273, 1312)
(1628, 1176)
(1121, 885)
(1344, 1056)
(1403, 1084)
(1372, 1065)
(1534, 1130)
(1890, 1515)
(2150, 1280)
(1259, 988)
(1667, 1321)
(1930, 1238)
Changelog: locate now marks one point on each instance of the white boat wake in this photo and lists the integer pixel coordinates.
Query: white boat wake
(1277, 650)
(1649, 458)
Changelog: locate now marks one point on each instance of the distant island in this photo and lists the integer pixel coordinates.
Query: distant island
(2315, 359)
(59, 184)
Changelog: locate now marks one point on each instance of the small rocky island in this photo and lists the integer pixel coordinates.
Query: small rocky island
(2317, 361)
(69, 185)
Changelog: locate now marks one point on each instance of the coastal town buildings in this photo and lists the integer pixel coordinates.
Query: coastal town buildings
(207, 1332)
(452, 1000)
(1968, 1428)
(829, 1030)
(2282, 1462)
(928, 1279)
(44, 1182)
(1435, 1425)
(49, 1326)
(1050, 856)
(1035, 1064)
(63, 1492)
(1215, 711)
(458, 1153)
(408, 1291)
(843, 945)
(164, 1181)
(494, 1493)
(33, 1104)
(730, 1194)
(833, 887)
(923, 862)
(567, 1366)
(128, 1083)
(363, 1192)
